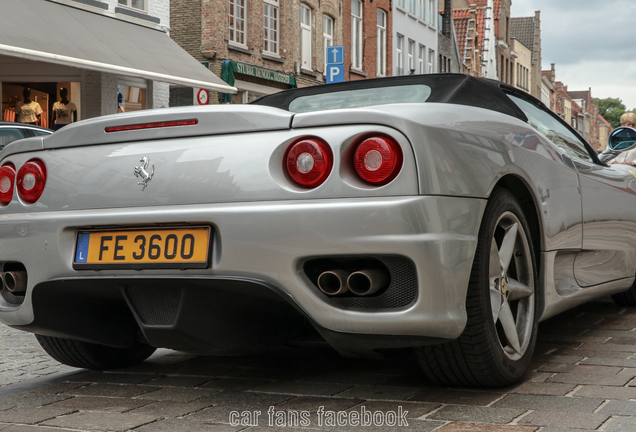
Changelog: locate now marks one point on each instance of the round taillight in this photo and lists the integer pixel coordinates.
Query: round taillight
(7, 180)
(378, 159)
(309, 162)
(30, 180)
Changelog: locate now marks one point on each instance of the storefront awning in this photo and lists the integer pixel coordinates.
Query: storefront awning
(55, 33)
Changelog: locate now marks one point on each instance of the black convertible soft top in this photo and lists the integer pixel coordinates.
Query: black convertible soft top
(445, 88)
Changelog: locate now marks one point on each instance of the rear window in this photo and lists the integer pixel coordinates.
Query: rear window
(361, 97)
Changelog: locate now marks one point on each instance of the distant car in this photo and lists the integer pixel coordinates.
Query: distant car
(10, 131)
(446, 213)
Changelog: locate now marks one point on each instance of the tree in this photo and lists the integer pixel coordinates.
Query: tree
(611, 110)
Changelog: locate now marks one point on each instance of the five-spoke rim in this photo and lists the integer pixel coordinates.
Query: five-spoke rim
(511, 285)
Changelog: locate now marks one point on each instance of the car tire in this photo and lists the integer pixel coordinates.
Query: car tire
(626, 298)
(93, 356)
(498, 341)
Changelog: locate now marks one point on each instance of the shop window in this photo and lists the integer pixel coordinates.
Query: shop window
(305, 36)
(131, 98)
(237, 15)
(134, 4)
(270, 24)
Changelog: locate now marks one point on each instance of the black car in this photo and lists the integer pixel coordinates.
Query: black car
(10, 131)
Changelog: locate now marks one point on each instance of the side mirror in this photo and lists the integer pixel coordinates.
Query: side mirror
(621, 139)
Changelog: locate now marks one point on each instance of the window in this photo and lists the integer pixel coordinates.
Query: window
(431, 60)
(356, 34)
(399, 59)
(381, 48)
(421, 59)
(305, 37)
(411, 57)
(237, 21)
(432, 12)
(546, 123)
(270, 26)
(327, 36)
(135, 4)
(412, 7)
(422, 9)
(400, 3)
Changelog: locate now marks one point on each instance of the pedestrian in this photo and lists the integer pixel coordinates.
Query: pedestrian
(627, 157)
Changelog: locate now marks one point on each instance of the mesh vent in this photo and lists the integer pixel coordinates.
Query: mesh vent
(401, 292)
(155, 304)
(11, 298)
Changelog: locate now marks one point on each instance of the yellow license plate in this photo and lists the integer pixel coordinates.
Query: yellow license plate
(174, 247)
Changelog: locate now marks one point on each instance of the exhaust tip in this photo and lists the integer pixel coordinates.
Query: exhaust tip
(333, 282)
(14, 281)
(367, 282)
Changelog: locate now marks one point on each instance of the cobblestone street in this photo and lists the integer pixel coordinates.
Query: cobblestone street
(583, 379)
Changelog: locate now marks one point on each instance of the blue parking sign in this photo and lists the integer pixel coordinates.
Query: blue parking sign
(335, 73)
(335, 54)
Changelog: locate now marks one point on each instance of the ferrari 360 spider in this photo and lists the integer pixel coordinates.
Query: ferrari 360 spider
(445, 213)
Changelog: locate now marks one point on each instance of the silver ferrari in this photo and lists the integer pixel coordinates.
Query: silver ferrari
(446, 213)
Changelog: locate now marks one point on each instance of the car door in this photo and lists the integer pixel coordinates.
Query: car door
(608, 202)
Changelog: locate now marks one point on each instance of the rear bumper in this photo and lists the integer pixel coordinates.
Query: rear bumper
(261, 245)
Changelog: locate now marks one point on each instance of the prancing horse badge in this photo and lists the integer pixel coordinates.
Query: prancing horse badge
(141, 171)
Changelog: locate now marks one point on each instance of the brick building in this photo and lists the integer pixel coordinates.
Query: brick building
(260, 47)
(367, 28)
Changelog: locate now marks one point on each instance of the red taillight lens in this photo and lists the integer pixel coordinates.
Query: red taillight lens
(378, 159)
(7, 180)
(30, 180)
(163, 124)
(309, 162)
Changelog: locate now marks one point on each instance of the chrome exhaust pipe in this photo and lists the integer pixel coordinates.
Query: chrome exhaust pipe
(15, 281)
(333, 282)
(367, 282)
(3, 285)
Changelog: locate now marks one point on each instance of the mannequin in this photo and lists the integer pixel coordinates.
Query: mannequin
(64, 111)
(28, 111)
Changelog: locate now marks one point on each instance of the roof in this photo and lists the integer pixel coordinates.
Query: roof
(523, 29)
(445, 88)
(75, 37)
(602, 120)
(460, 19)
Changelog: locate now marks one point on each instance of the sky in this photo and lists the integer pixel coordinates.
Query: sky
(591, 42)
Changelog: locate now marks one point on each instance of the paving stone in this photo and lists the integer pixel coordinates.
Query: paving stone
(30, 428)
(583, 379)
(59, 388)
(113, 390)
(624, 363)
(96, 403)
(606, 392)
(176, 394)
(174, 425)
(541, 388)
(31, 415)
(587, 421)
(620, 424)
(99, 421)
(538, 402)
(457, 396)
(313, 403)
(480, 427)
(237, 384)
(380, 392)
(171, 409)
(30, 400)
(303, 388)
(623, 408)
(414, 409)
(113, 378)
(608, 347)
(464, 413)
(556, 367)
(177, 381)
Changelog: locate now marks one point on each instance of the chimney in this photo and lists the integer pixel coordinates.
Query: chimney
(552, 73)
(448, 16)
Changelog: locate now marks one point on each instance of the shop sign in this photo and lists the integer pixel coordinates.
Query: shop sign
(267, 74)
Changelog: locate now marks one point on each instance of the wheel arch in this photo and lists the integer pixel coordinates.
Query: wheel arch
(523, 193)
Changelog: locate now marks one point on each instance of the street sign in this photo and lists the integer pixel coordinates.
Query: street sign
(203, 96)
(335, 73)
(335, 54)
(335, 64)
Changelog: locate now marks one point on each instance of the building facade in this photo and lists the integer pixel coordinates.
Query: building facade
(104, 52)
(415, 41)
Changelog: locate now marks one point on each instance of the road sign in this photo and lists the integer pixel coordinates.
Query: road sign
(335, 73)
(335, 54)
(203, 96)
